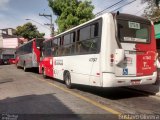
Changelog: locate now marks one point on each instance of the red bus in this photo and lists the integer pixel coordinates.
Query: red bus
(28, 55)
(108, 51)
(47, 59)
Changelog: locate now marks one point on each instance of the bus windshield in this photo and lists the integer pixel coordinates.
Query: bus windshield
(129, 31)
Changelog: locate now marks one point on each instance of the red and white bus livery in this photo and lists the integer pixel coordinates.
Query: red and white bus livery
(109, 51)
(28, 55)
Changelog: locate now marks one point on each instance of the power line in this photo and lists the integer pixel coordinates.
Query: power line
(109, 7)
(140, 10)
(38, 23)
(124, 5)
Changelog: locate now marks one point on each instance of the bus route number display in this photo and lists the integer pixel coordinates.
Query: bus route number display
(134, 25)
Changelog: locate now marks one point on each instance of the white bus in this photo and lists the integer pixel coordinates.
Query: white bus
(108, 51)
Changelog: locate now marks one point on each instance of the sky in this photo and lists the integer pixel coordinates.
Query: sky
(14, 13)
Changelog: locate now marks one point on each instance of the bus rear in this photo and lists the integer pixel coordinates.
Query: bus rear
(133, 56)
(28, 55)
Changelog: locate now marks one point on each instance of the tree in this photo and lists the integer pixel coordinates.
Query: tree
(28, 31)
(157, 2)
(152, 11)
(71, 13)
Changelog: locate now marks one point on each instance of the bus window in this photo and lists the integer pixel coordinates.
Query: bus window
(59, 41)
(55, 47)
(94, 30)
(67, 39)
(73, 37)
(73, 40)
(133, 31)
(84, 33)
(66, 49)
(60, 51)
(54, 42)
(89, 43)
(142, 34)
(47, 49)
(54, 51)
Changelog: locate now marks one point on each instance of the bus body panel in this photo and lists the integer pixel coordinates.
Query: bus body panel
(47, 66)
(25, 59)
(148, 65)
(83, 68)
(129, 65)
(108, 43)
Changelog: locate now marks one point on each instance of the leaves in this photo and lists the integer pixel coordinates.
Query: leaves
(71, 13)
(28, 31)
(152, 11)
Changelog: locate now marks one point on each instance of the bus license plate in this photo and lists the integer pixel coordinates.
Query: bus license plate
(135, 82)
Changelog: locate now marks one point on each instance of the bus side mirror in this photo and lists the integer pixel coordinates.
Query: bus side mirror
(119, 56)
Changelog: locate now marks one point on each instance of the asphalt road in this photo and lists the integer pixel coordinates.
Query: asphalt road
(29, 96)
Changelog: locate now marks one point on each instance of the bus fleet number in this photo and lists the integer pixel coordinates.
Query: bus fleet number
(93, 59)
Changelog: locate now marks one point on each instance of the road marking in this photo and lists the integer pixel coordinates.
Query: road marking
(82, 97)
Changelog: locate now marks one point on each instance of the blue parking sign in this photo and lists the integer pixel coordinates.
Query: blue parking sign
(125, 71)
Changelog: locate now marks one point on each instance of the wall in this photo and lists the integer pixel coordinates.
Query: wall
(10, 43)
(1, 40)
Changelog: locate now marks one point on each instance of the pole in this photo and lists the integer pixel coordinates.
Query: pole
(49, 16)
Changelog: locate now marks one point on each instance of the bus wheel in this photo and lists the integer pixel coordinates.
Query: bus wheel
(24, 68)
(44, 73)
(67, 79)
(17, 66)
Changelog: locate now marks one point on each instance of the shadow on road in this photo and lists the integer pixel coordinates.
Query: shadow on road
(33, 70)
(36, 106)
(42, 107)
(111, 93)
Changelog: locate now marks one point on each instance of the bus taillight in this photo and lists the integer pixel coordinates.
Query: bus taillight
(112, 58)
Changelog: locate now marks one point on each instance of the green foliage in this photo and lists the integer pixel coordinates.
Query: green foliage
(152, 11)
(71, 13)
(28, 31)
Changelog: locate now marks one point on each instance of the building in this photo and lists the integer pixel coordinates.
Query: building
(7, 39)
(8, 43)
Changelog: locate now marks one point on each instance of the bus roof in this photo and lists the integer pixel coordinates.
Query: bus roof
(124, 16)
(119, 16)
(81, 25)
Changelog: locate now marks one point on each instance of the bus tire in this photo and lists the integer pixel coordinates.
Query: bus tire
(18, 67)
(44, 73)
(24, 67)
(67, 80)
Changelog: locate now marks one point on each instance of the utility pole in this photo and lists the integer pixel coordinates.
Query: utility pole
(49, 17)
